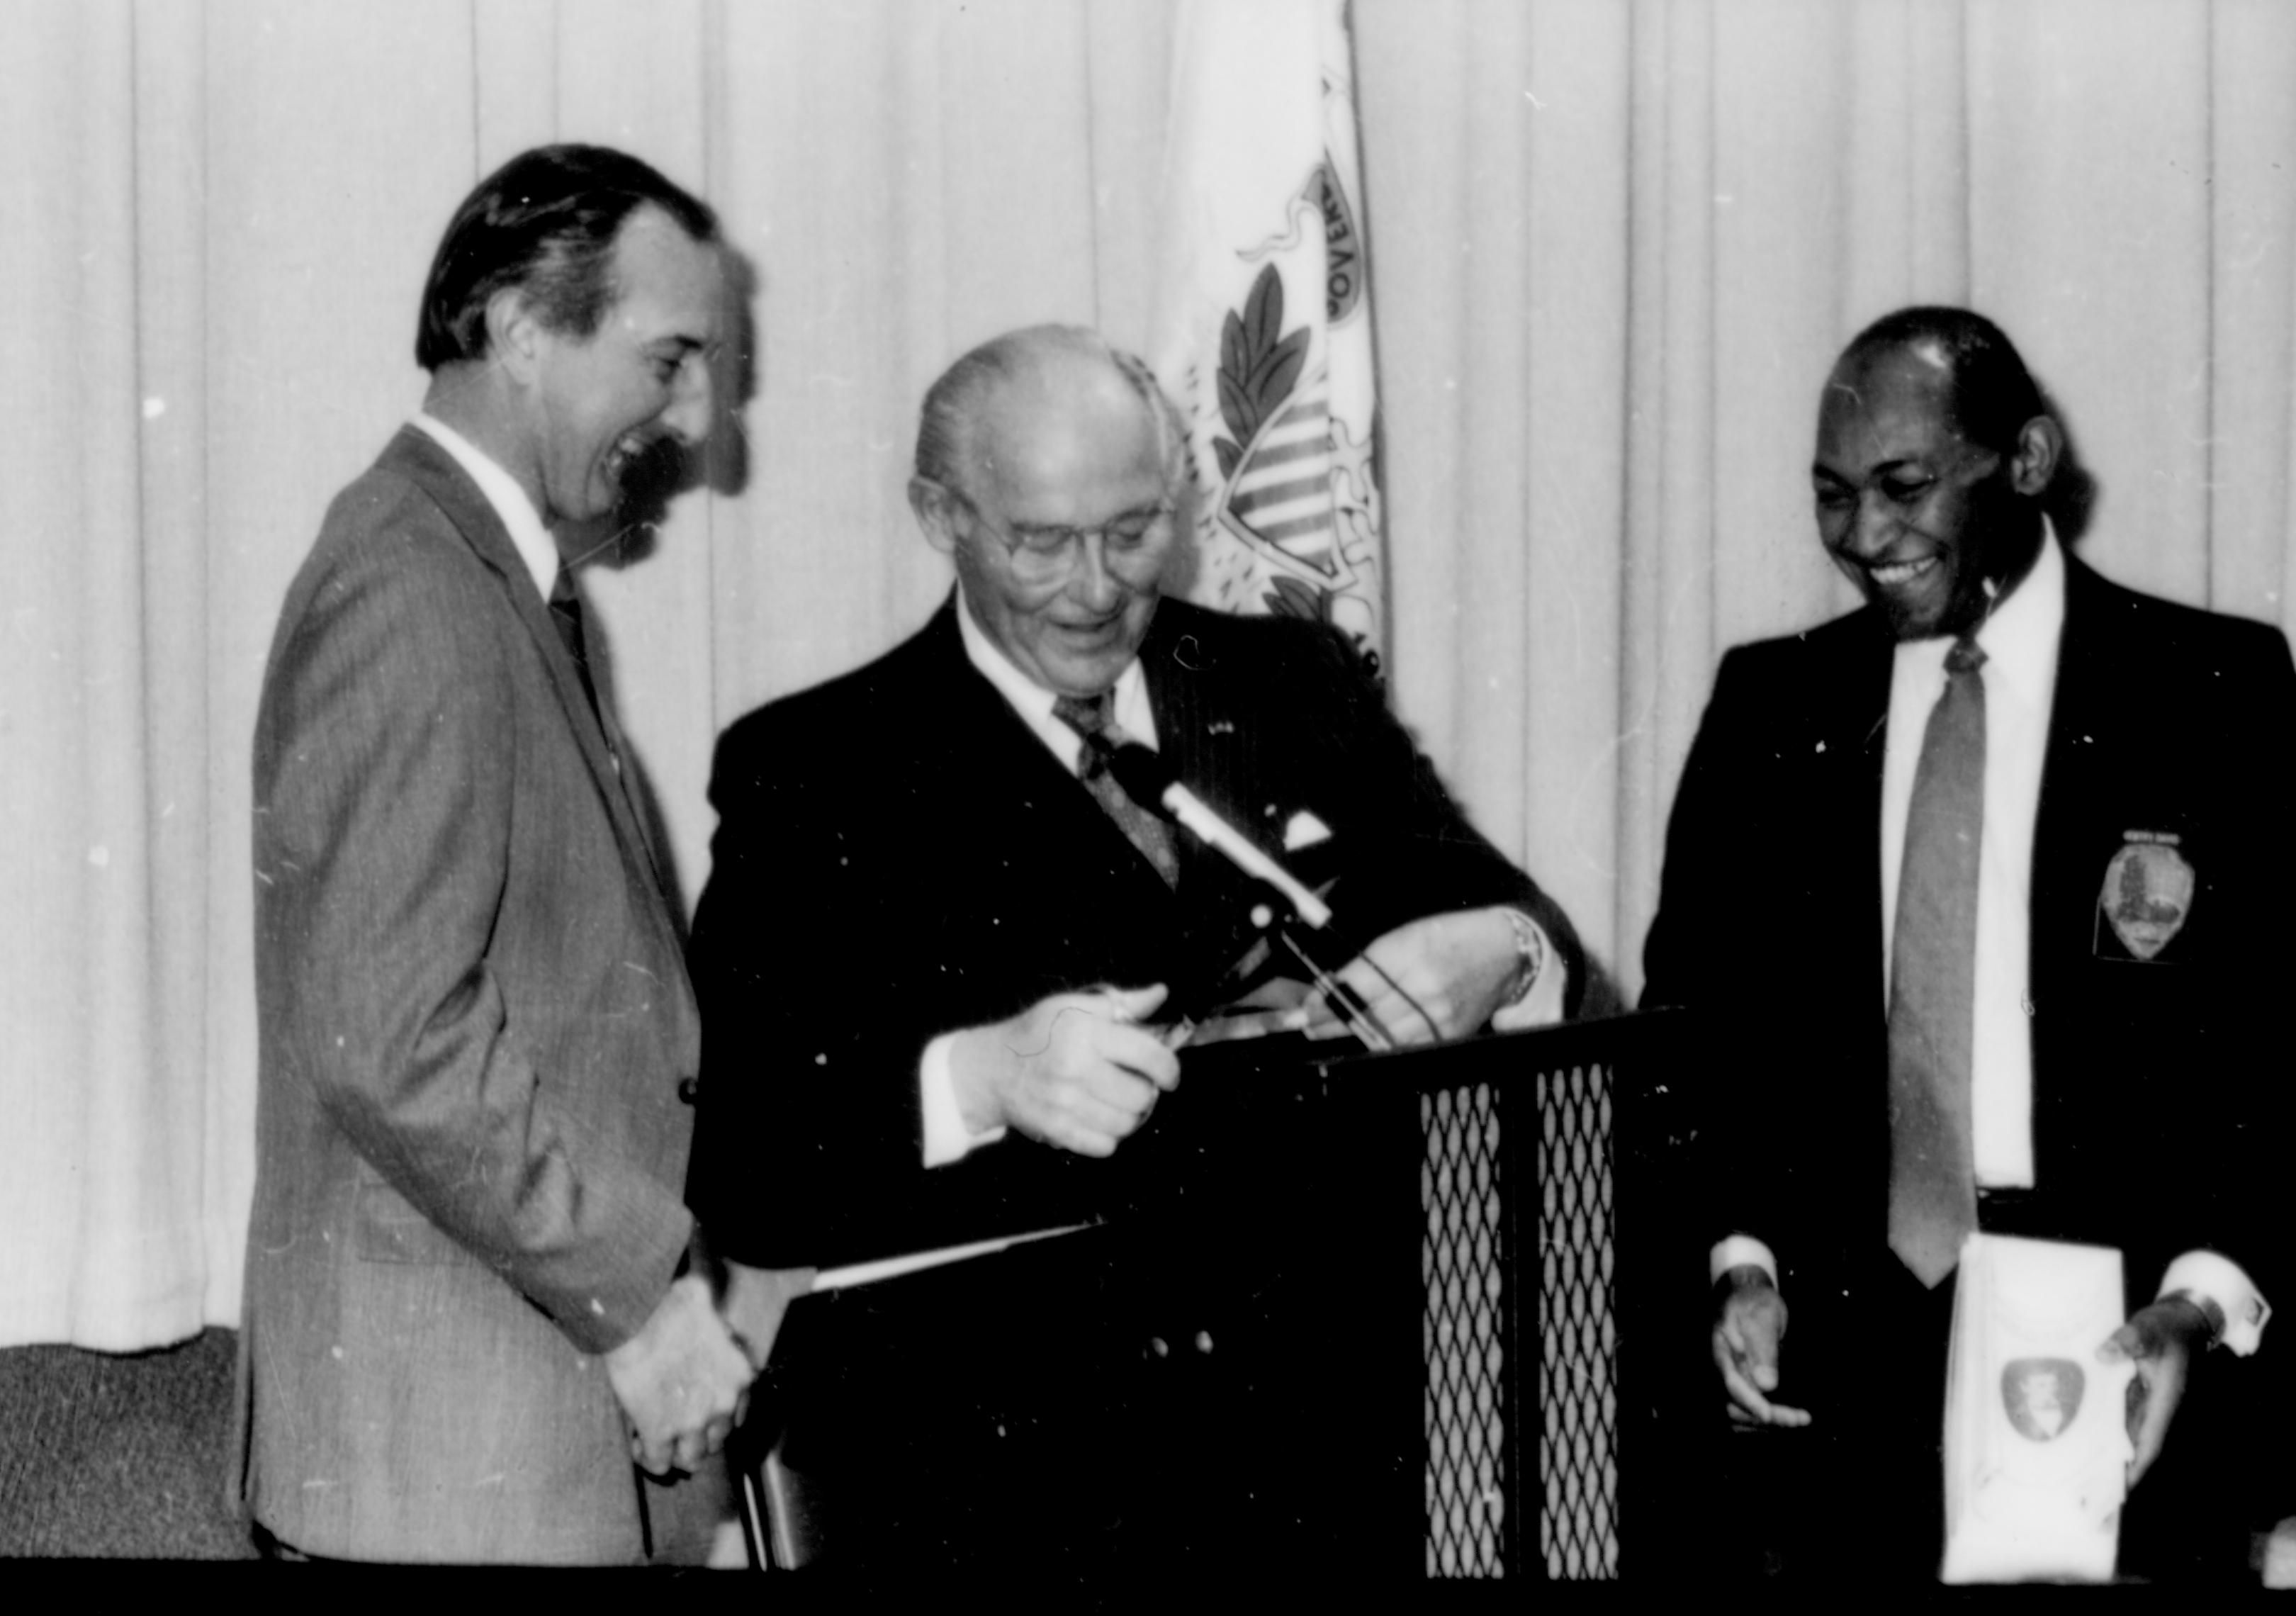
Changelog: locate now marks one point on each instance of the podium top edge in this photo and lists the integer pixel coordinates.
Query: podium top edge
(1502, 1056)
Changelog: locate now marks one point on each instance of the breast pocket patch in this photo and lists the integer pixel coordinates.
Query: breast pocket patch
(2146, 898)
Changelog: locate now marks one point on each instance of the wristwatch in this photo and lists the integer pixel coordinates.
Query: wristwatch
(1530, 950)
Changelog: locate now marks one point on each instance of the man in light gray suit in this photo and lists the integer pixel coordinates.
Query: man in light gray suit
(469, 1301)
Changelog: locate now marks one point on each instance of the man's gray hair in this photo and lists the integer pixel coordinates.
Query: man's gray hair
(944, 426)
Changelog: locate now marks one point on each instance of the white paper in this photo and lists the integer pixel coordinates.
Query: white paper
(2037, 1446)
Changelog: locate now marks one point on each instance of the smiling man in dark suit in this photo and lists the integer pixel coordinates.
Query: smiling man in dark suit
(469, 1222)
(936, 954)
(2065, 1036)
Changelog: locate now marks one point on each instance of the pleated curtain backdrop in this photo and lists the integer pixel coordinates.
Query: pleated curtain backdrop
(1616, 246)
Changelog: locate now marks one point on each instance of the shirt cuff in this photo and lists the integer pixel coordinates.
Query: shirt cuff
(1537, 1001)
(2222, 1280)
(946, 1138)
(1740, 1252)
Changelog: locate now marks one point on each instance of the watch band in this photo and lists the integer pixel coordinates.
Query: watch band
(1531, 950)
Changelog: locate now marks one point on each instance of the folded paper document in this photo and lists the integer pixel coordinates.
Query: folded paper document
(2037, 1446)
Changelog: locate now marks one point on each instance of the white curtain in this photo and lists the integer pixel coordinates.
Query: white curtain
(1615, 247)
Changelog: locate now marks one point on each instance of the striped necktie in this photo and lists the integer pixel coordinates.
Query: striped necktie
(1089, 717)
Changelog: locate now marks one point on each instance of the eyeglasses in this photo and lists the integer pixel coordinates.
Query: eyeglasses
(1041, 554)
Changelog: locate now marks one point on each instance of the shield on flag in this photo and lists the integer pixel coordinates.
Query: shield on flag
(1277, 492)
(1263, 315)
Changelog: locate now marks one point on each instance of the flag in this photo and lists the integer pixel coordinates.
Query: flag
(1261, 327)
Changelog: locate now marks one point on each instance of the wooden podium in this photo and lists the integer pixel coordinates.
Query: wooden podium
(1338, 1317)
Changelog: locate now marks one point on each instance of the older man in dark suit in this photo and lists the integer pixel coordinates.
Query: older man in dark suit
(468, 1223)
(941, 953)
(1983, 894)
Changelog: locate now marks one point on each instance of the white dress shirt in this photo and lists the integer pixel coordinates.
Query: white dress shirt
(536, 547)
(2019, 639)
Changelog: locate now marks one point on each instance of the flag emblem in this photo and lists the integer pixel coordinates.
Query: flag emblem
(1263, 317)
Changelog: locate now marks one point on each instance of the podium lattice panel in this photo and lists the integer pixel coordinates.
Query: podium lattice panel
(1460, 1260)
(1578, 1334)
(1463, 1258)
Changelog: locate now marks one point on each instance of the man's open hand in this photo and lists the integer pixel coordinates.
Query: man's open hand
(2162, 1341)
(1750, 1322)
(1455, 966)
(680, 1380)
(1073, 1069)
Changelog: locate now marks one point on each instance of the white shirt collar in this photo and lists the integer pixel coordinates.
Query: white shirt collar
(2021, 634)
(1128, 712)
(535, 545)
(2019, 637)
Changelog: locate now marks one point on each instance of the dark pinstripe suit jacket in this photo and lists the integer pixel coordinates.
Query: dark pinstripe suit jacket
(898, 855)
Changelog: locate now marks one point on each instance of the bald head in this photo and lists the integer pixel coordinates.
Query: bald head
(1013, 377)
(1049, 469)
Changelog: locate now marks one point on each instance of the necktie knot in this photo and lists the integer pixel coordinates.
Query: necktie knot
(1089, 717)
(1085, 715)
(1966, 656)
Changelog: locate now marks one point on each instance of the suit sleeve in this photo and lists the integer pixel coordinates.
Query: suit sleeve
(821, 982)
(1699, 947)
(2226, 1154)
(1682, 931)
(383, 845)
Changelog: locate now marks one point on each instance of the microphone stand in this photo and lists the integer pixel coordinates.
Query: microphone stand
(1337, 993)
(1151, 783)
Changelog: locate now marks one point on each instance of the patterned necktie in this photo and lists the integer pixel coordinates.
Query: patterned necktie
(566, 617)
(1089, 717)
(1933, 981)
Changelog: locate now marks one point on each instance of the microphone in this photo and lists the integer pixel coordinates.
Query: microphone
(1147, 779)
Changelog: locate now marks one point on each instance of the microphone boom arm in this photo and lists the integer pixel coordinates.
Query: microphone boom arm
(1147, 779)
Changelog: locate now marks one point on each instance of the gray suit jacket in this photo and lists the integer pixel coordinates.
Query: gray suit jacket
(475, 1020)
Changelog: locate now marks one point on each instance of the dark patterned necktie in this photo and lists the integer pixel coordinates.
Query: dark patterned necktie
(1089, 717)
(1933, 981)
(566, 617)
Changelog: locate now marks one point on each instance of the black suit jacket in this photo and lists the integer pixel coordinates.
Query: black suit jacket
(2160, 1089)
(898, 855)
